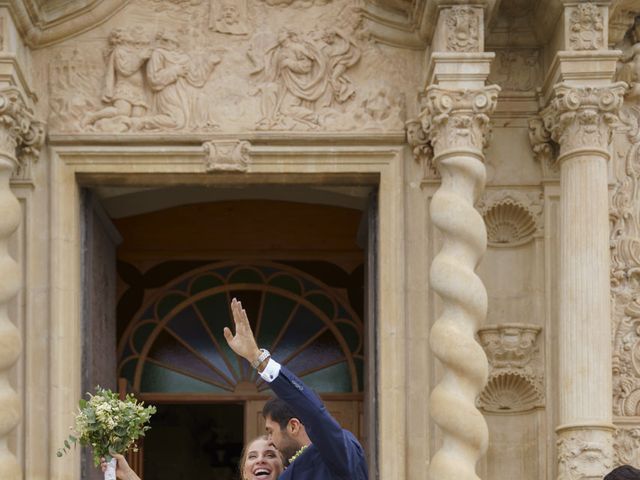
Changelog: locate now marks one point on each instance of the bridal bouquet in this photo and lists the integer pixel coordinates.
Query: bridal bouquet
(108, 424)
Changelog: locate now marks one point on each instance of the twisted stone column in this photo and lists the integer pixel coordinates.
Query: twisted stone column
(19, 135)
(579, 119)
(457, 123)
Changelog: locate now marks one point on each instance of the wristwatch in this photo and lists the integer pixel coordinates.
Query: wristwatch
(264, 354)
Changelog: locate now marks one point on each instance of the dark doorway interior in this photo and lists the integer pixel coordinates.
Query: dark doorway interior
(194, 442)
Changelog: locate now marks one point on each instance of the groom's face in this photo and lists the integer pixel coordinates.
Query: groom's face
(281, 439)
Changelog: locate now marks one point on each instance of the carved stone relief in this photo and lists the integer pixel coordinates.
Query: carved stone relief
(512, 217)
(586, 27)
(229, 16)
(628, 69)
(624, 217)
(227, 156)
(205, 67)
(517, 70)
(584, 454)
(295, 3)
(515, 380)
(545, 151)
(626, 446)
(421, 148)
(302, 77)
(463, 28)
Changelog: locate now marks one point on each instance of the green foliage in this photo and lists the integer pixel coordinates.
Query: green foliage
(108, 424)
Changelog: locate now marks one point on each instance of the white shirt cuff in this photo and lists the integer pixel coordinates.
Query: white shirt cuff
(271, 371)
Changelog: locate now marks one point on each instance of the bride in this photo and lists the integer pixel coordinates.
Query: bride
(259, 461)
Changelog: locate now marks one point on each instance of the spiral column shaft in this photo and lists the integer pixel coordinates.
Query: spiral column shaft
(18, 131)
(457, 123)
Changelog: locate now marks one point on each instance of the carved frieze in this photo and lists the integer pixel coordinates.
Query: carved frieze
(295, 3)
(517, 70)
(586, 27)
(515, 381)
(227, 156)
(458, 119)
(512, 217)
(463, 28)
(584, 454)
(579, 117)
(203, 66)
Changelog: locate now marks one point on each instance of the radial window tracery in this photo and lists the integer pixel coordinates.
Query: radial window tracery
(176, 345)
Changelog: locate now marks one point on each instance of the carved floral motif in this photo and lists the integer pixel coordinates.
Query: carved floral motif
(515, 380)
(297, 3)
(579, 117)
(584, 454)
(512, 217)
(420, 147)
(463, 28)
(455, 119)
(586, 27)
(227, 156)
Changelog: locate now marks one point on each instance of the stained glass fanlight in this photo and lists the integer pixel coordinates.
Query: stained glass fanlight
(175, 343)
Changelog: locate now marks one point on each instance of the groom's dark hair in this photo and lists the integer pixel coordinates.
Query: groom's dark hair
(625, 472)
(278, 411)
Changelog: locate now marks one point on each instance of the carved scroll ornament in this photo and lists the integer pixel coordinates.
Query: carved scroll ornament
(577, 118)
(454, 119)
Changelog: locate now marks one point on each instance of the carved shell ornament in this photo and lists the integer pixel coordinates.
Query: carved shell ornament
(510, 392)
(509, 224)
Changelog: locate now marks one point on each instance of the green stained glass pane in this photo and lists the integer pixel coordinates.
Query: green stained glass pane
(323, 302)
(286, 282)
(141, 335)
(216, 314)
(276, 311)
(246, 276)
(351, 335)
(334, 379)
(168, 303)
(158, 379)
(128, 370)
(205, 282)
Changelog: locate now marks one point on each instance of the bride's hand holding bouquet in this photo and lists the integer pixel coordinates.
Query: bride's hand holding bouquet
(109, 425)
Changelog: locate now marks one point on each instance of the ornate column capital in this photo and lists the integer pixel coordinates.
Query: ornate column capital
(577, 118)
(458, 119)
(21, 136)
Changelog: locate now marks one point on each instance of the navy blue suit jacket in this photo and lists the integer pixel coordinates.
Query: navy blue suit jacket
(334, 453)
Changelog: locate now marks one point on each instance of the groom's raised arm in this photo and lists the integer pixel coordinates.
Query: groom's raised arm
(337, 447)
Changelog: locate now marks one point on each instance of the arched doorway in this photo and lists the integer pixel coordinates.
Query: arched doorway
(308, 311)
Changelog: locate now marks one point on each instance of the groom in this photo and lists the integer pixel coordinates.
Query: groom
(297, 422)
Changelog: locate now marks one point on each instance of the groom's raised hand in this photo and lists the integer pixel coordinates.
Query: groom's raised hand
(242, 342)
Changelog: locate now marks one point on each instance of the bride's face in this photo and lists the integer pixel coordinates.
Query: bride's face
(263, 462)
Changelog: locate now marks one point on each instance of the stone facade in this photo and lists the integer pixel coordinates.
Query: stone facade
(502, 140)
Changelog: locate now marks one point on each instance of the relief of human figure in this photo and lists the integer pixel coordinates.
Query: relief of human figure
(629, 64)
(343, 54)
(124, 90)
(228, 16)
(294, 76)
(175, 78)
